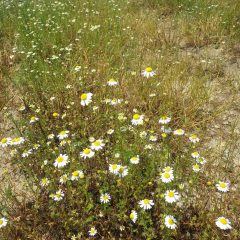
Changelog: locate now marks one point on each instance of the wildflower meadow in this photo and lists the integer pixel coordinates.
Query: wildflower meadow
(119, 119)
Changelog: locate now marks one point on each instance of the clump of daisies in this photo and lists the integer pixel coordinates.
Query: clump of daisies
(119, 174)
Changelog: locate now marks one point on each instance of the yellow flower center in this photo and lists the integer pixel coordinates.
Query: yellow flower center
(75, 174)
(223, 221)
(148, 69)
(170, 221)
(16, 139)
(131, 216)
(164, 117)
(179, 130)
(196, 166)
(146, 201)
(171, 194)
(222, 185)
(83, 96)
(166, 175)
(62, 133)
(105, 197)
(60, 159)
(55, 114)
(136, 116)
(164, 135)
(58, 195)
(97, 143)
(4, 140)
(193, 136)
(86, 151)
(168, 169)
(44, 181)
(121, 170)
(114, 166)
(1, 221)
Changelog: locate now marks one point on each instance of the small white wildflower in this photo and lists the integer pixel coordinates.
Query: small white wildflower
(105, 198)
(148, 72)
(170, 222)
(146, 204)
(223, 223)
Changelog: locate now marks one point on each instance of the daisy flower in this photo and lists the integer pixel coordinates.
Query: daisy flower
(168, 169)
(92, 232)
(36, 146)
(143, 134)
(63, 134)
(223, 186)
(112, 82)
(105, 198)
(45, 182)
(146, 204)
(133, 216)
(58, 196)
(33, 119)
(148, 72)
(110, 131)
(5, 142)
(13, 152)
(195, 155)
(115, 101)
(153, 138)
(166, 129)
(123, 171)
(194, 139)
(114, 168)
(18, 141)
(196, 168)
(164, 119)
(86, 98)
(55, 114)
(26, 153)
(77, 175)
(223, 223)
(167, 177)
(61, 161)
(64, 178)
(137, 119)
(3, 222)
(179, 132)
(170, 222)
(50, 136)
(171, 196)
(87, 153)
(98, 145)
(77, 68)
(135, 159)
